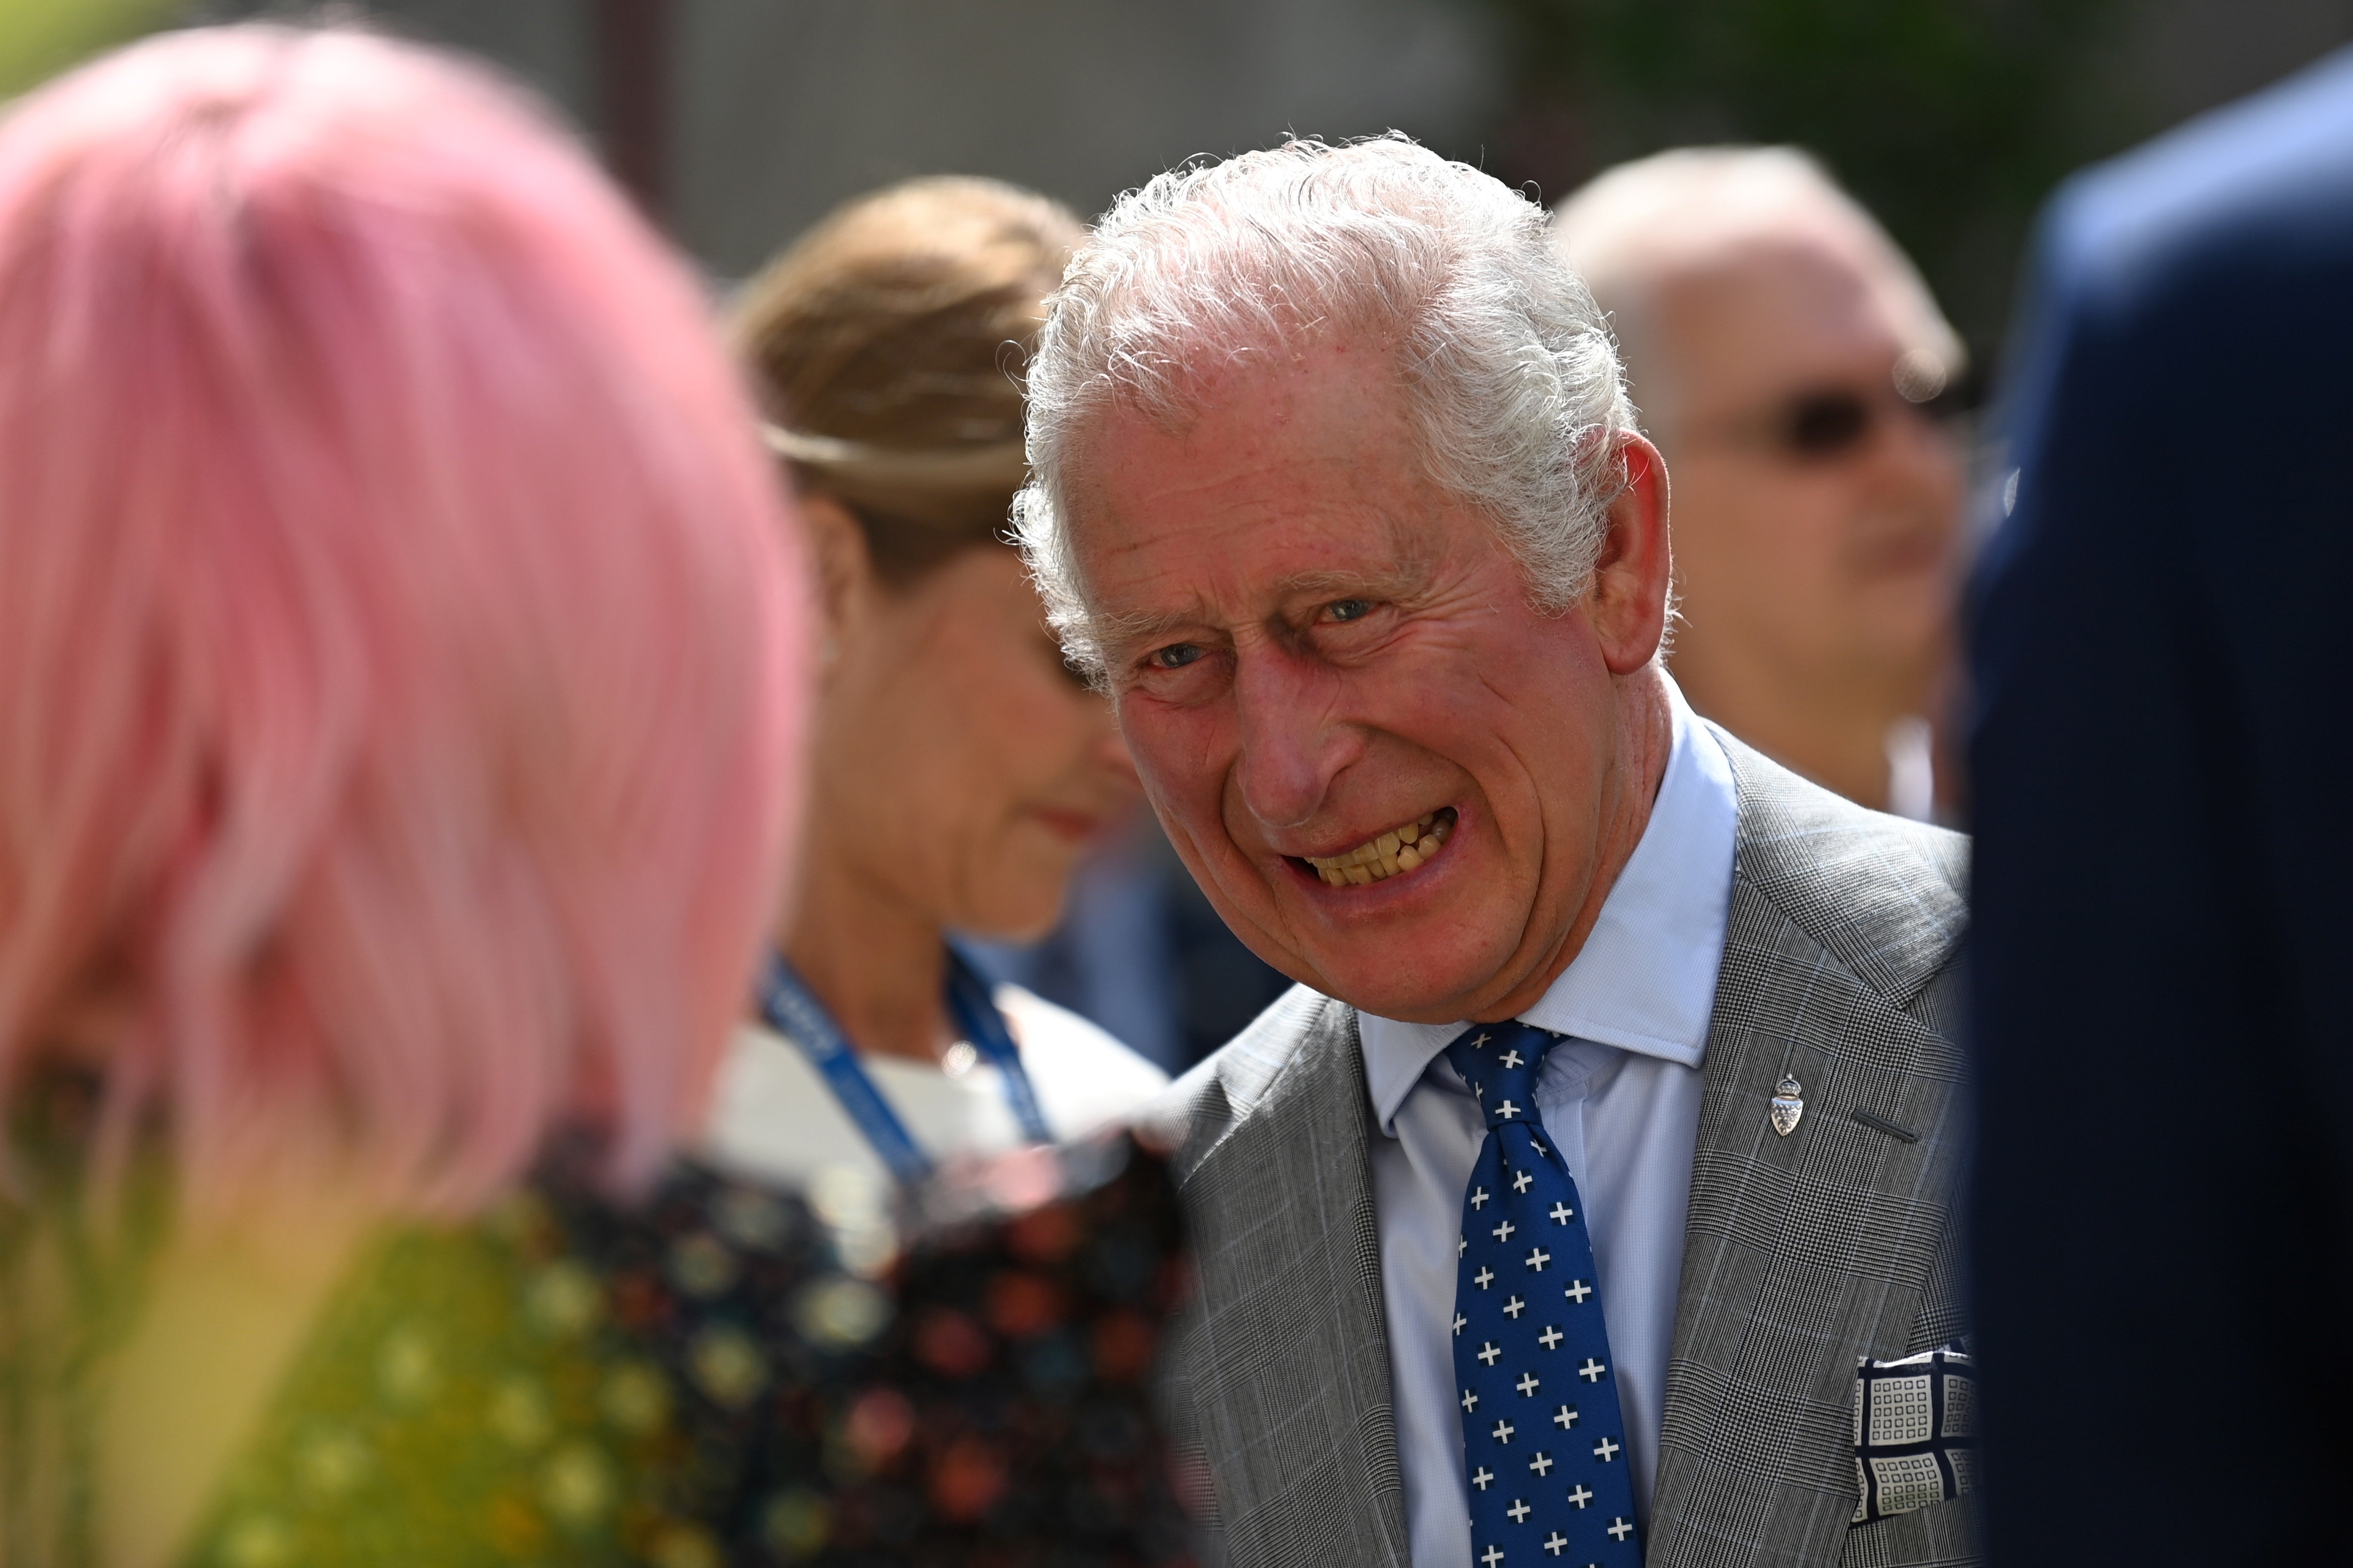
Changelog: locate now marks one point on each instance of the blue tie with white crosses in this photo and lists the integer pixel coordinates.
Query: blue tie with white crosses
(1542, 1440)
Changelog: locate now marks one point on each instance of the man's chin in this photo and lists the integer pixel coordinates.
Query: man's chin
(1408, 991)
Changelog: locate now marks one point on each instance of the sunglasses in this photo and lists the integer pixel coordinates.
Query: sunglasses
(1825, 423)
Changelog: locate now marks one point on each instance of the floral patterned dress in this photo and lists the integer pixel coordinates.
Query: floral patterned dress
(696, 1382)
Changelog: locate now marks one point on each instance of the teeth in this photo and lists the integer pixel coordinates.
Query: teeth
(1398, 850)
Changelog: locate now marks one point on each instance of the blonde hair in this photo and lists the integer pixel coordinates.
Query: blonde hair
(888, 346)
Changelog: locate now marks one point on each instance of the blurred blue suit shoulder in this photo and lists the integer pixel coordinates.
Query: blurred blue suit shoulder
(2161, 746)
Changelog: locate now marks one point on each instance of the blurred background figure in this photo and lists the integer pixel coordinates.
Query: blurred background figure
(403, 682)
(1789, 362)
(2163, 733)
(961, 767)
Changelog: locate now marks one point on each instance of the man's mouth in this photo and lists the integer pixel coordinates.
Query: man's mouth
(1392, 854)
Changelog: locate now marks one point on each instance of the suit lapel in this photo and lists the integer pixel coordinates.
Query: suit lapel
(1806, 1251)
(1301, 1439)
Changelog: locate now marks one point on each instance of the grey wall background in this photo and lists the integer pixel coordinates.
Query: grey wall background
(786, 109)
(747, 119)
(779, 108)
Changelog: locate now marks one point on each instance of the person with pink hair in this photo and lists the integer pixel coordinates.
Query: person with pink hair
(402, 680)
(404, 674)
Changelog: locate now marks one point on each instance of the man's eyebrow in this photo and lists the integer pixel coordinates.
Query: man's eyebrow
(1387, 579)
(1126, 630)
(1396, 564)
(1118, 632)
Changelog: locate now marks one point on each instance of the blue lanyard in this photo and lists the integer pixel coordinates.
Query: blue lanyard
(984, 1026)
(792, 1009)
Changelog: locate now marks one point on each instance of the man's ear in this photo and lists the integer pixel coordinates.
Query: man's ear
(845, 570)
(1628, 602)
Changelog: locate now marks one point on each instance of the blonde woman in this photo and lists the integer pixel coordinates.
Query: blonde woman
(959, 766)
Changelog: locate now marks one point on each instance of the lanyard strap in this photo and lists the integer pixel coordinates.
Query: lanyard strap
(793, 1010)
(984, 1026)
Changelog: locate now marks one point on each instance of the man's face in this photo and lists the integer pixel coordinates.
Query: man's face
(1312, 645)
(1806, 555)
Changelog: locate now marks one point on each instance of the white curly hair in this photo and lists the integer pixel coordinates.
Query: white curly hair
(1507, 364)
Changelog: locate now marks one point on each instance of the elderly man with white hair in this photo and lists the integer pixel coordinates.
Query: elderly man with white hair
(1790, 364)
(1589, 1200)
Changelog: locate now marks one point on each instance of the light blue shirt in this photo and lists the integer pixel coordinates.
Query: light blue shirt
(1621, 1098)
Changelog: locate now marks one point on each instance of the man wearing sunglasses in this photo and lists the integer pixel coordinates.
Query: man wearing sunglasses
(1791, 364)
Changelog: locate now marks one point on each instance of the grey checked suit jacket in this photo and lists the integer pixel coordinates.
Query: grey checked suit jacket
(1802, 1254)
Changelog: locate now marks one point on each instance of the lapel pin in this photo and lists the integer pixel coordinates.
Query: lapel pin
(1786, 1106)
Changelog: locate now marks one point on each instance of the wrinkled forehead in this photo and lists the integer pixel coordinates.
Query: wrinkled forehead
(1172, 375)
(1305, 465)
(1283, 405)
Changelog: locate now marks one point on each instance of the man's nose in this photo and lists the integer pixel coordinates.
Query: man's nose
(1292, 742)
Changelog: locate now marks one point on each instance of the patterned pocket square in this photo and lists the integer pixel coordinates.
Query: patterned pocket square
(1914, 1431)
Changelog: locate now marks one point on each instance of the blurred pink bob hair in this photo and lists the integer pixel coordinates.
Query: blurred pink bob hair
(401, 664)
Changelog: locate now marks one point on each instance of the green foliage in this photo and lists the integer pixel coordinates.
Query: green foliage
(1949, 119)
(38, 37)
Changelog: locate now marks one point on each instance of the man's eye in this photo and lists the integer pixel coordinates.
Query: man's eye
(1348, 609)
(1175, 656)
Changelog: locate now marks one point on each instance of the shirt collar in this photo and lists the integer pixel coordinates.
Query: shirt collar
(1645, 979)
